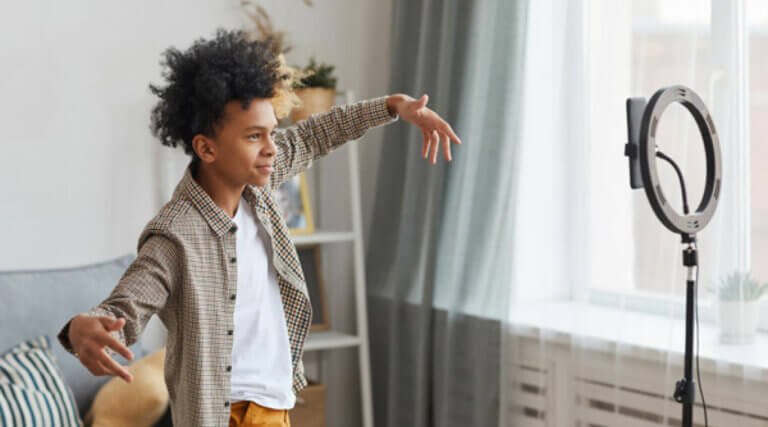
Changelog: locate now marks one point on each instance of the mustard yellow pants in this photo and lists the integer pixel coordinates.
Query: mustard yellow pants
(251, 414)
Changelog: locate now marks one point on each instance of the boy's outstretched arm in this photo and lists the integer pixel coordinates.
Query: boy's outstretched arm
(117, 322)
(319, 134)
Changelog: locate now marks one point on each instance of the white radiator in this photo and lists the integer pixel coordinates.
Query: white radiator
(554, 387)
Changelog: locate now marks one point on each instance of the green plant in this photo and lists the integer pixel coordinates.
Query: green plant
(317, 75)
(739, 286)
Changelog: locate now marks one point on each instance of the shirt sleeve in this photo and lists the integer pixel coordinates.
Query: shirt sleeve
(141, 292)
(319, 134)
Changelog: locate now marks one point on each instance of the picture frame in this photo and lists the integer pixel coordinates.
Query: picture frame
(293, 201)
(310, 258)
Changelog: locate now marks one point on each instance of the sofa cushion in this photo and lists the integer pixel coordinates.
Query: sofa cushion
(32, 390)
(142, 402)
(41, 302)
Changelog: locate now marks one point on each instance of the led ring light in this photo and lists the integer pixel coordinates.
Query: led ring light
(691, 223)
(642, 152)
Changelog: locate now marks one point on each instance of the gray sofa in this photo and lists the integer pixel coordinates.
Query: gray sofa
(38, 302)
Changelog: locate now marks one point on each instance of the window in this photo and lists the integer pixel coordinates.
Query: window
(580, 230)
(757, 20)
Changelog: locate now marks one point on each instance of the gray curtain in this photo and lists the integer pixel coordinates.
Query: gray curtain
(441, 235)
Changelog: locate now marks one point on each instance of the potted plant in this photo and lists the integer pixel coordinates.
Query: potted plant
(286, 99)
(309, 91)
(739, 307)
(317, 90)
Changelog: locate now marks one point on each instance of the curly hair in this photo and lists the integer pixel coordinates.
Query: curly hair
(205, 77)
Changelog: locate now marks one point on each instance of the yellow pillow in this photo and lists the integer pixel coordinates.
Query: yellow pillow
(142, 402)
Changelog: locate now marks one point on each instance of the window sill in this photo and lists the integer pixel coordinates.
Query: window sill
(637, 333)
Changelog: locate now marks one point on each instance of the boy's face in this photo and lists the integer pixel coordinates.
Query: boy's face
(243, 151)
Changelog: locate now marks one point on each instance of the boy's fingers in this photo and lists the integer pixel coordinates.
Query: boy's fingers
(446, 128)
(110, 372)
(117, 324)
(95, 367)
(431, 143)
(435, 145)
(447, 147)
(113, 367)
(101, 369)
(112, 324)
(454, 136)
(114, 344)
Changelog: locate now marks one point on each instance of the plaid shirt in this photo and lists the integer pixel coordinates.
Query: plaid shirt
(186, 271)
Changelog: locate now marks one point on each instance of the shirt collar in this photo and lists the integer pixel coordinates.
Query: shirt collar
(217, 219)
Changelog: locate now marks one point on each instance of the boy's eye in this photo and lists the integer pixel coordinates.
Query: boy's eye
(259, 135)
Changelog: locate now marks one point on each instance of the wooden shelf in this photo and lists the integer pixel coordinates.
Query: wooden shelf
(323, 340)
(322, 236)
(352, 233)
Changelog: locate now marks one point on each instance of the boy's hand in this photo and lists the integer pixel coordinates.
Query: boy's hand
(433, 128)
(89, 336)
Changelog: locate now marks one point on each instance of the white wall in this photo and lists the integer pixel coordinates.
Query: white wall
(81, 173)
(79, 179)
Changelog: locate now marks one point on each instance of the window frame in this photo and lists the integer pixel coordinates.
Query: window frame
(735, 23)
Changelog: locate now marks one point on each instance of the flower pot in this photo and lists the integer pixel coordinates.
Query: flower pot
(315, 100)
(738, 321)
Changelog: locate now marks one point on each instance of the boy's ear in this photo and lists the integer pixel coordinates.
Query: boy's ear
(204, 148)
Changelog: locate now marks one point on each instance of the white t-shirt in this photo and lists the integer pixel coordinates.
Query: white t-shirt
(261, 354)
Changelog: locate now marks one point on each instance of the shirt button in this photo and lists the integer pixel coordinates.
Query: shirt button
(226, 404)
(229, 368)
(232, 297)
(229, 332)
(232, 260)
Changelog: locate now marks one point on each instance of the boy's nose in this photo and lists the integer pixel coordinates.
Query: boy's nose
(271, 147)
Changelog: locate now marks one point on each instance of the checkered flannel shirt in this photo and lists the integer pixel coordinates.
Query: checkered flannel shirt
(186, 271)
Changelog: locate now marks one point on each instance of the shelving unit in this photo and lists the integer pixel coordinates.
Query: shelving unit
(328, 340)
(323, 237)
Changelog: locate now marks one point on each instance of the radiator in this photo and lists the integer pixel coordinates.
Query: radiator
(550, 386)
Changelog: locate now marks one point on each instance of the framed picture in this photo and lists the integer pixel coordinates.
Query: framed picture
(309, 256)
(293, 201)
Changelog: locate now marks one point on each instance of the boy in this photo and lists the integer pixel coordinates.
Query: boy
(216, 263)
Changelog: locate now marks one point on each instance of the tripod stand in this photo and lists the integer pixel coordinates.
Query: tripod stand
(685, 389)
(642, 150)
